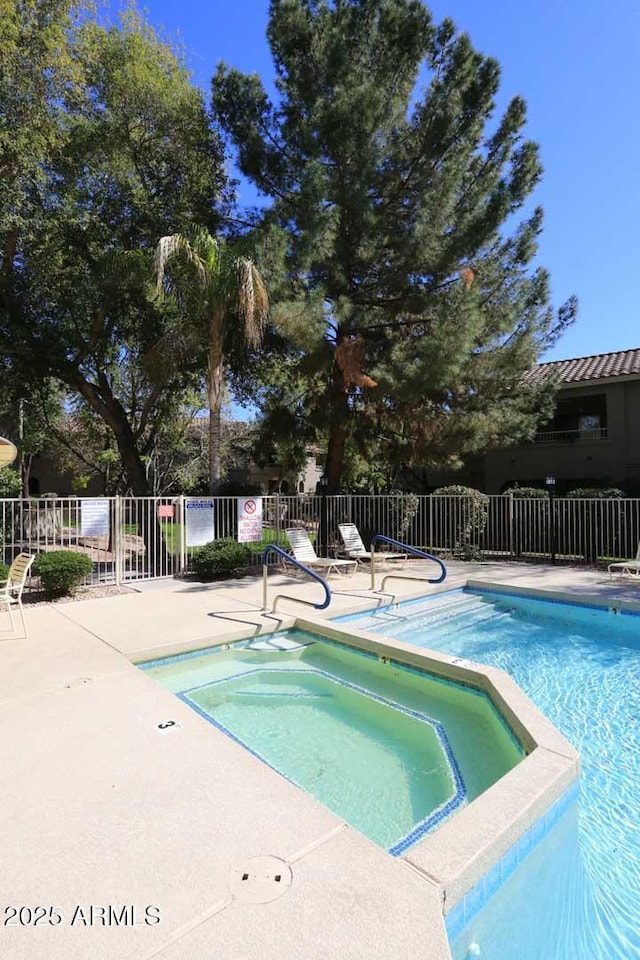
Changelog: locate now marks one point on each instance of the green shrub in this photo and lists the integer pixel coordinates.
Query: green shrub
(392, 513)
(466, 515)
(10, 487)
(220, 559)
(597, 493)
(61, 571)
(10, 483)
(528, 493)
(4, 571)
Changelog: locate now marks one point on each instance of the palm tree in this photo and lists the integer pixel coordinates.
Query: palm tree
(221, 297)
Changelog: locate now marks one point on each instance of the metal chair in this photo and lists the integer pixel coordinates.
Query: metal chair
(11, 588)
(304, 552)
(356, 550)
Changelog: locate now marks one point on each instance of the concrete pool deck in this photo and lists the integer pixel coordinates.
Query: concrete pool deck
(102, 809)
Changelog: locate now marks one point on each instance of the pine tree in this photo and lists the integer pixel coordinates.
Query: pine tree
(397, 186)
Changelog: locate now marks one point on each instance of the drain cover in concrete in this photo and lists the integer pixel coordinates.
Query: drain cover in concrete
(261, 879)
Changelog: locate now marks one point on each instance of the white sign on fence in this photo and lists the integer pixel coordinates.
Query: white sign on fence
(94, 518)
(199, 521)
(249, 519)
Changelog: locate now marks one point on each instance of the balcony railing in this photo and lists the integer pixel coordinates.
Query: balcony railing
(570, 436)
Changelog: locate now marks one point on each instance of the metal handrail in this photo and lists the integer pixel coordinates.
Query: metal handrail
(272, 548)
(380, 538)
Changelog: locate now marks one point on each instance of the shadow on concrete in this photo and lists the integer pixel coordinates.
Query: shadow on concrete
(227, 615)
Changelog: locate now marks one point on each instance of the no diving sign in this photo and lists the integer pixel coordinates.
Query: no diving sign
(249, 519)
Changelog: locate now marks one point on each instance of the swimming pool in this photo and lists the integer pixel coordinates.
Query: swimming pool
(581, 666)
(391, 749)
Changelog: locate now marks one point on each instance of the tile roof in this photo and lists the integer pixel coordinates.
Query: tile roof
(602, 365)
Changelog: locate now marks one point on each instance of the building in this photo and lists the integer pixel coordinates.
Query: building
(273, 478)
(594, 436)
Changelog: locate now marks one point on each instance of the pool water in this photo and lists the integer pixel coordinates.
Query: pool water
(391, 750)
(581, 666)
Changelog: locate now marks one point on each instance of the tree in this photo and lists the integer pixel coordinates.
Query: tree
(221, 297)
(29, 412)
(36, 66)
(421, 311)
(134, 158)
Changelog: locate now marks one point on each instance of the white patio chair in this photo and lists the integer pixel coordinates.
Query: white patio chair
(628, 567)
(11, 588)
(356, 550)
(304, 552)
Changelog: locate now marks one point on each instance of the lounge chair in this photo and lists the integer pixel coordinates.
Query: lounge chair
(304, 552)
(11, 588)
(630, 567)
(356, 550)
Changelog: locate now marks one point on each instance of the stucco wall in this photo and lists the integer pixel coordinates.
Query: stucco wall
(614, 460)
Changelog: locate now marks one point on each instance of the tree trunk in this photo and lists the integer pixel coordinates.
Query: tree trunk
(114, 414)
(26, 460)
(338, 417)
(215, 388)
(134, 468)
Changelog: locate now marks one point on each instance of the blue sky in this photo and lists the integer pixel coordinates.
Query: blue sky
(577, 66)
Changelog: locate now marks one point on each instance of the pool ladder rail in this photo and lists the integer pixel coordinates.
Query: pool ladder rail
(381, 538)
(272, 548)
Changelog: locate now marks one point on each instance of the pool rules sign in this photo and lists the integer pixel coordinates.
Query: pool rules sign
(249, 519)
(199, 521)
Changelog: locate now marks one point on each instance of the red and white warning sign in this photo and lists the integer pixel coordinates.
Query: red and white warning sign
(249, 519)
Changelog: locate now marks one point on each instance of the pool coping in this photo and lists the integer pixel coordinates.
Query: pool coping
(631, 607)
(448, 806)
(168, 813)
(474, 840)
(478, 838)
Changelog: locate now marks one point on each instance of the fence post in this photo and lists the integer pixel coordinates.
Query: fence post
(265, 573)
(183, 534)
(276, 517)
(510, 522)
(117, 539)
(552, 522)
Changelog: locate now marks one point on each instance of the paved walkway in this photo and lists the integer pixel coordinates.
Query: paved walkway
(170, 613)
(101, 811)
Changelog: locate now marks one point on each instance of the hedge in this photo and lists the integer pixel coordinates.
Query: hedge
(597, 493)
(469, 515)
(220, 559)
(527, 493)
(61, 571)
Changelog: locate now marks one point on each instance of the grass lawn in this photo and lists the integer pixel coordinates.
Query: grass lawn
(269, 536)
(172, 533)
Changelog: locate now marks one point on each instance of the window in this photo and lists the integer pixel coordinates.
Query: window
(589, 424)
(578, 418)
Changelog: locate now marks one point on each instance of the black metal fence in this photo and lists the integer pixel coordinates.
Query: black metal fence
(131, 538)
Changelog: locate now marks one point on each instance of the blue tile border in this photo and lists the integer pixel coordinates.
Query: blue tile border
(190, 655)
(224, 647)
(437, 678)
(420, 829)
(604, 607)
(372, 656)
(474, 900)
